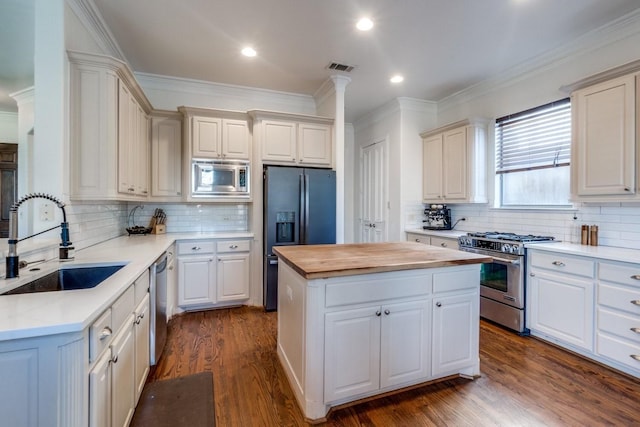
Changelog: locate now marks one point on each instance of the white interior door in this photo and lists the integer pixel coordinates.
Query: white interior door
(373, 167)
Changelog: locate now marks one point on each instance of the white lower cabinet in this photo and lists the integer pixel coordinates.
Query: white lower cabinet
(376, 347)
(203, 283)
(588, 305)
(455, 334)
(196, 278)
(120, 371)
(141, 329)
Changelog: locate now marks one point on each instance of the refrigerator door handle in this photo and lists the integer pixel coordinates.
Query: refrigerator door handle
(303, 216)
(306, 209)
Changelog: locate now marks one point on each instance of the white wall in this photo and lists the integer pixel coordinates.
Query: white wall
(399, 122)
(8, 127)
(533, 84)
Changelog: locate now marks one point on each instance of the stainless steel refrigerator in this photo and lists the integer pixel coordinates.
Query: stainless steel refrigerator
(299, 209)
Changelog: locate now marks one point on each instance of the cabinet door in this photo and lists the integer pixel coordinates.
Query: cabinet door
(235, 139)
(352, 353)
(604, 146)
(278, 141)
(141, 167)
(454, 164)
(405, 342)
(196, 281)
(166, 157)
(123, 376)
(126, 130)
(100, 392)
(314, 144)
(206, 137)
(561, 306)
(455, 333)
(432, 169)
(233, 277)
(141, 328)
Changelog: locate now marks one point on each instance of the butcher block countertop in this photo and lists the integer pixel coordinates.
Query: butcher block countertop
(322, 261)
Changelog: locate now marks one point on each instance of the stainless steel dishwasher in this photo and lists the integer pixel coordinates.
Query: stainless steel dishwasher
(158, 309)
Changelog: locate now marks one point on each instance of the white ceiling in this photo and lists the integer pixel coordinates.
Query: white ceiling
(440, 46)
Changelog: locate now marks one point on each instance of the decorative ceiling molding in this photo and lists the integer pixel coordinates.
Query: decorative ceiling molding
(88, 13)
(619, 29)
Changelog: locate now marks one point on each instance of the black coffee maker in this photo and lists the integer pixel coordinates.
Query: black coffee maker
(438, 217)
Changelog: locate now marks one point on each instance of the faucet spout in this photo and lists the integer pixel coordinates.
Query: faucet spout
(12, 259)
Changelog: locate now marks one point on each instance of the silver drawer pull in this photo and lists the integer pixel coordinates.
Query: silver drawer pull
(106, 332)
(635, 301)
(233, 247)
(558, 263)
(636, 277)
(196, 248)
(443, 244)
(636, 330)
(114, 359)
(635, 356)
(418, 240)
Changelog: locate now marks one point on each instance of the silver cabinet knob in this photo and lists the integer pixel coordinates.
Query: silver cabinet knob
(635, 302)
(233, 247)
(438, 304)
(378, 313)
(106, 332)
(635, 277)
(636, 330)
(387, 312)
(558, 263)
(443, 244)
(532, 274)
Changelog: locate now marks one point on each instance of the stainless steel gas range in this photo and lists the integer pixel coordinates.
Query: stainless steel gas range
(502, 282)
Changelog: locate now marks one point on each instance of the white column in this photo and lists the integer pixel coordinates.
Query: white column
(339, 83)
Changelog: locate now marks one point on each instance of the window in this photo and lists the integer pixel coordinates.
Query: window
(533, 150)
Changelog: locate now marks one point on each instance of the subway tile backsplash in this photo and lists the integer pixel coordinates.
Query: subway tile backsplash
(194, 217)
(619, 223)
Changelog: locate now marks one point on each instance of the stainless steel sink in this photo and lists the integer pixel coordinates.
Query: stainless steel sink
(83, 276)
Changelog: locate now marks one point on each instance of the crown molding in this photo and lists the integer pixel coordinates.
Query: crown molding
(248, 95)
(396, 105)
(619, 29)
(89, 15)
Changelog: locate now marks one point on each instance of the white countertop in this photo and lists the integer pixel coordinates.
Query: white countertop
(601, 252)
(450, 234)
(48, 313)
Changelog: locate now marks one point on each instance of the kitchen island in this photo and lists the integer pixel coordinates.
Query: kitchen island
(358, 320)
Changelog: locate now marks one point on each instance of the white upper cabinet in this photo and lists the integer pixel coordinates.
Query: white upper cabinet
(166, 156)
(604, 152)
(454, 163)
(108, 130)
(294, 139)
(216, 134)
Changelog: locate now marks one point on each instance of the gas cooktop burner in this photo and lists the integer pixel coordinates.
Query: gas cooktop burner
(496, 235)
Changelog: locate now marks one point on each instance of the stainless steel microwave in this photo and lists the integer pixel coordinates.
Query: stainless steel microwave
(219, 178)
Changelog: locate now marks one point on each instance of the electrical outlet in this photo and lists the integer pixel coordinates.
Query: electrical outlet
(46, 212)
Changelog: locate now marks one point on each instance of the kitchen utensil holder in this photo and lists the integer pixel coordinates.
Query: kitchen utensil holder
(159, 229)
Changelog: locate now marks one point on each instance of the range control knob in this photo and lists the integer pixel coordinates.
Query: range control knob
(506, 248)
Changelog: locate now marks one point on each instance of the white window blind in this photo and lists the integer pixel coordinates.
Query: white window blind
(534, 139)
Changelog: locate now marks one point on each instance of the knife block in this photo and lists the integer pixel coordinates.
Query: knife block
(159, 229)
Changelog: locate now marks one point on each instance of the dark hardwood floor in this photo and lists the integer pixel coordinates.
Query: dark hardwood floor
(524, 382)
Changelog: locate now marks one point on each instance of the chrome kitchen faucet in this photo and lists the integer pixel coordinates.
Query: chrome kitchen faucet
(66, 248)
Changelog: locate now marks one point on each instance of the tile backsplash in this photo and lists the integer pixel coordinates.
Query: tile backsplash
(619, 223)
(206, 217)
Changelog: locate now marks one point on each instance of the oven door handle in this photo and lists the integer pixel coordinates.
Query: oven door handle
(506, 261)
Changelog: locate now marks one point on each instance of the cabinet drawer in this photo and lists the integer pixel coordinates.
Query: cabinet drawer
(627, 274)
(619, 298)
(233, 246)
(100, 335)
(141, 287)
(444, 242)
(446, 281)
(122, 308)
(419, 238)
(196, 248)
(385, 286)
(619, 350)
(619, 324)
(563, 263)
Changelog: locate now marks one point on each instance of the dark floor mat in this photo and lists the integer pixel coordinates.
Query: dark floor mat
(185, 401)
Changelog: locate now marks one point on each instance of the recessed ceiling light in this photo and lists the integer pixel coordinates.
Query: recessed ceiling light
(396, 79)
(249, 51)
(364, 24)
